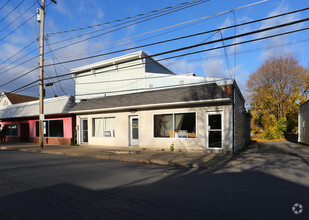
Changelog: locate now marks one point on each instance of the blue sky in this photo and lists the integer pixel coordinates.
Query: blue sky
(69, 14)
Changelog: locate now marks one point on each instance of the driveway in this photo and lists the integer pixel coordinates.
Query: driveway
(286, 160)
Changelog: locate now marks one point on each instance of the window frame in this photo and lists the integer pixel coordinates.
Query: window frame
(174, 113)
(103, 127)
(47, 120)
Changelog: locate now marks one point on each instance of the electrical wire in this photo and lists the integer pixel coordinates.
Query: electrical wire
(5, 4)
(197, 45)
(12, 10)
(226, 57)
(80, 41)
(17, 27)
(54, 65)
(110, 22)
(266, 29)
(242, 52)
(187, 22)
(17, 18)
(18, 52)
(183, 48)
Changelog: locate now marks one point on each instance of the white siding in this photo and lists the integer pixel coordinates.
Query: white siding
(303, 123)
(4, 101)
(51, 106)
(107, 81)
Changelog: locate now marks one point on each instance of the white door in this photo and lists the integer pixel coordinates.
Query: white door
(84, 130)
(134, 134)
(214, 131)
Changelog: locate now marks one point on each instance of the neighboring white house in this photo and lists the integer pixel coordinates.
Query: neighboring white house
(133, 100)
(303, 123)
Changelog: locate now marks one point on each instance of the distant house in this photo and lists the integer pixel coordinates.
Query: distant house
(22, 121)
(133, 100)
(10, 99)
(303, 123)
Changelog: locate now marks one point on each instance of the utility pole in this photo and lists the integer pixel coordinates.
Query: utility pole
(42, 21)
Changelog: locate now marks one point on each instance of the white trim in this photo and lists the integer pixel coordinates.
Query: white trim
(81, 130)
(152, 105)
(214, 112)
(133, 142)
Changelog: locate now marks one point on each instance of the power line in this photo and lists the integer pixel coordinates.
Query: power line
(18, 52)
(4, 4)
(246, 51)
(110, 22)
(54, 65)
(183, 48)
(14, 67)
(17, 27)
(17, 18)
(76, 42)
(201, 18)
(12, 11)
(30, 71)
(196, 45)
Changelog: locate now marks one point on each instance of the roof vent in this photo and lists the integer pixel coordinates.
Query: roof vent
(150, 86)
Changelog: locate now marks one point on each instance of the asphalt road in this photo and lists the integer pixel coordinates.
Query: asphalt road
(42, 186)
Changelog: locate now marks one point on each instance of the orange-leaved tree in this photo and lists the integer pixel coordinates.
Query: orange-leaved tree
(276, 89)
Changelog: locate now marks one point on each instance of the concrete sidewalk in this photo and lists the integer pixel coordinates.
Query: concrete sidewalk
(198, 159)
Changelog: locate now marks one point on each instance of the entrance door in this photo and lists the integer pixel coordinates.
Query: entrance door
(24, 132)
(214, 135)
(134, 141)
(84, 130)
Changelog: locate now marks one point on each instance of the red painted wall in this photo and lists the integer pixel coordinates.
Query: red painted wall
(67, 126)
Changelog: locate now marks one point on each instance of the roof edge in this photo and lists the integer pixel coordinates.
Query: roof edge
(153, 105)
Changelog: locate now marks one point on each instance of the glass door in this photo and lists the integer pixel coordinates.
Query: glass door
(134, 139)
(214, 135)
(84, 130)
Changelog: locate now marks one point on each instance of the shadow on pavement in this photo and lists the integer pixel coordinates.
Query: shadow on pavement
(195, 195)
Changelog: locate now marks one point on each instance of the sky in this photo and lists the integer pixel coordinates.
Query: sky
(19, 31)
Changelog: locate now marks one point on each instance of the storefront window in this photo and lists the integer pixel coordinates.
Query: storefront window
(52, 128)
(180, 125)
(11, 129)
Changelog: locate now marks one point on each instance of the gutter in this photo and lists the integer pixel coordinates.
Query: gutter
(151, 106)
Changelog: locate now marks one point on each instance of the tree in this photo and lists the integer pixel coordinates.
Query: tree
(276, 89)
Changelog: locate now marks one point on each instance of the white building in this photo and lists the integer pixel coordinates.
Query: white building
(133, 100)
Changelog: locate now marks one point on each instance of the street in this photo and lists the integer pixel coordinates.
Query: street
(251, 186)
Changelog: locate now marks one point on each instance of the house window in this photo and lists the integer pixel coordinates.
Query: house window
(52, 128)
(180, 125)
(103, 127)
(11, 129)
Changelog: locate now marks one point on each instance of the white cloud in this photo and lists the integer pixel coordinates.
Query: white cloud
(214, 67)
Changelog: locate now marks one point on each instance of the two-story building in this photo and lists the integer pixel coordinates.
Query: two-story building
(133, 100)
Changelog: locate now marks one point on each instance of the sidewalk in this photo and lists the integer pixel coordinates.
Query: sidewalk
(199, 159)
